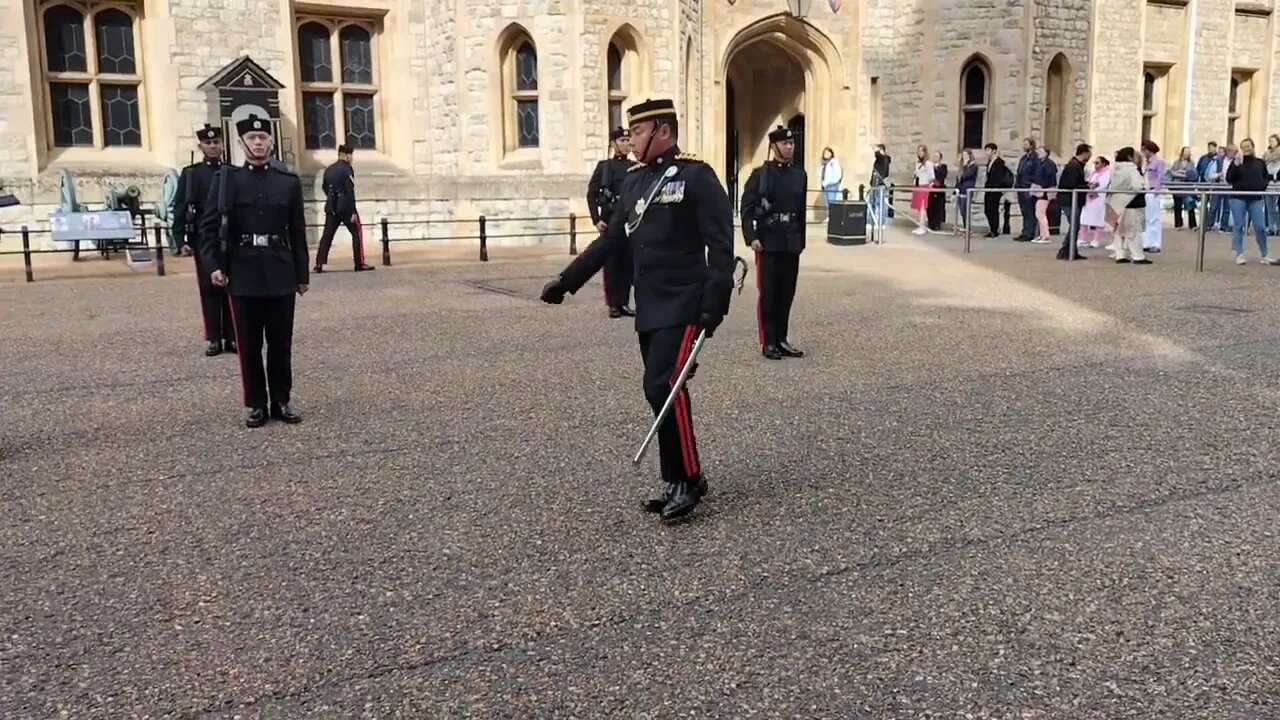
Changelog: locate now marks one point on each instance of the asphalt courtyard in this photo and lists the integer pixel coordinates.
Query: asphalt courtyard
(998, 486)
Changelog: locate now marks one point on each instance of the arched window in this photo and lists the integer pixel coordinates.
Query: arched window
(519, 91)
(622, 72)
(975, 99)
(1057, 101)
(1149, 104)
(92, 74)
(339, 89)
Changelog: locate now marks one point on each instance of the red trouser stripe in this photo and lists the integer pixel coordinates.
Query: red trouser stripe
(359, 240)
(604, 278)
(759, 301)
(240, 350)
(684, 419)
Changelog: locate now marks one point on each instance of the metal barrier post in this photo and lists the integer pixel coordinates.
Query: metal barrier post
(1204, 220)
(862, 193)
(484, 241)
(159, 252)
(26, 252)
(386, 242)
(968, 220)
(844, 194)
(573, 234)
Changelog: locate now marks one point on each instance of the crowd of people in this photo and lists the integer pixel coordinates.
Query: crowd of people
(1122, 196)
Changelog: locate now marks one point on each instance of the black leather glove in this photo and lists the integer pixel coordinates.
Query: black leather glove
(709, 323)
(553, 292)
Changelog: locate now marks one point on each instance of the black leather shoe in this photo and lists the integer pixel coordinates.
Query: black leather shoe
(229, 346)
(626, 311)
(615, 313)
(364, 268)
(212, 349)
(318, 269)
(656, 502)
(771, 352)
(286, 413)
(256, 418)
(685, 498)
(789, 351)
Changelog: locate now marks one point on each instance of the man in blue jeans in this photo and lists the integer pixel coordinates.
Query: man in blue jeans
(1248, 175)
(1023, 179)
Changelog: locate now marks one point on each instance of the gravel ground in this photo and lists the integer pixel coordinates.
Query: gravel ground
(999, 486)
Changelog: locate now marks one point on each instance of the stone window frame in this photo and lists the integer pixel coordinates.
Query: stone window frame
(1241, 89)
(624, 45)
(511, 41)
(93, 78)
(979, 62)
(1154, 114)
(337, 87)
(1056, 130)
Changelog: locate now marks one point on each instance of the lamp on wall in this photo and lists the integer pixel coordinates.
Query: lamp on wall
(798, 8)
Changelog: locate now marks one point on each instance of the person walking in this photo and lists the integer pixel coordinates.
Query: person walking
(1248, 175)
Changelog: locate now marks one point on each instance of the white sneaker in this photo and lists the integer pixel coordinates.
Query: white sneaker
(1240, 260)
(1267, 261)
(919, 231)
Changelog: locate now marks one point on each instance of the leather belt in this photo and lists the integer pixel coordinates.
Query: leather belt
(260, 240)
(782, 217)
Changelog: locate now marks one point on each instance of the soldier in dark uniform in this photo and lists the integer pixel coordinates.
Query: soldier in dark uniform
(680, 224)
(773, 223)
(260, 257)
(193, 188)
(602, 193)
(340, 209)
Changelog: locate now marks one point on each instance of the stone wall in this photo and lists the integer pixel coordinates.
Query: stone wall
(16, 143)
(1061, 26)
(1211, 74)
(1115, 97)
(892, 31)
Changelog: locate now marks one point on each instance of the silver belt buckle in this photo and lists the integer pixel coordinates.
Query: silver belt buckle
(261, 240)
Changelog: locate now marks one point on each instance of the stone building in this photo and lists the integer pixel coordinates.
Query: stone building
(501, 107)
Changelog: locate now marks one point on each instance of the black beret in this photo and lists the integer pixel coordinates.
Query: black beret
(781, 133)
(651, 110)
(344, 149)
(253, 123)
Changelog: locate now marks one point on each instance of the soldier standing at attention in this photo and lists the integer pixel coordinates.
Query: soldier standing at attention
(254, 244)
(340, 209)
(680, 224)
(193, 188)
(602, 193)
(773, 224)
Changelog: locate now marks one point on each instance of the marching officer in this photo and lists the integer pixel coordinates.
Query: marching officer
(602, 193)
(680, 224)
(340, 209)
(773, 223)
(193, 188)
(254, 244)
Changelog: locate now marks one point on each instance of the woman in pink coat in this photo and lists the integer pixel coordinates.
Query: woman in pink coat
(1093, 218)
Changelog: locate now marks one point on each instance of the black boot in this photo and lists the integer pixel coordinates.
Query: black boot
(212, 349)
(285, 412)
(789, 351)
(685, 498)
(256, 418)
(771, 352)
(364, 268)
(656, 502)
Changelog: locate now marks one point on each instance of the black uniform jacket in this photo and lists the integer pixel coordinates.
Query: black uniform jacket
(683, 248)
(193, 187)
(262, 201)
(340, 190)
(781, 228)
(607, 175)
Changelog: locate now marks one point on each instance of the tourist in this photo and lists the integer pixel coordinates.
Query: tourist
(1071, 199)
(1042, 184)
(830, 174)
(999, 180)
(1184, 170)
(1126, 208)
(923, 181)
(938, 198)
(1023, 178)
(1272, 158)
(1248, 175)
(1094, 215)
(966, 182)
(1154, 169)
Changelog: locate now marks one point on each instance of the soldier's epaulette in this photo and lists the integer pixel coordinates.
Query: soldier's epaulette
(688, 157)
(635, 167)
